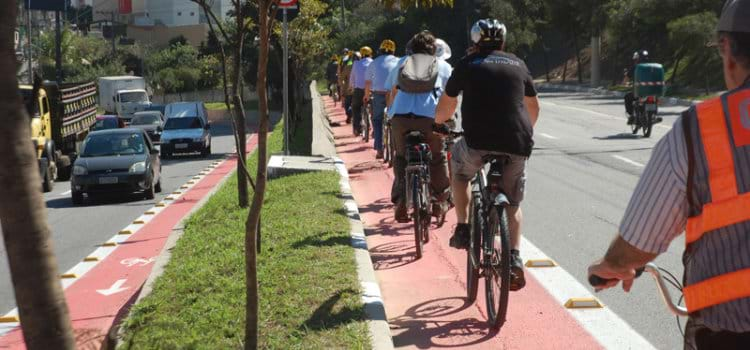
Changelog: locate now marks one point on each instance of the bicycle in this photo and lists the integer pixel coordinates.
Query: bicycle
(418, 157)
(387, 144)
(488, 255)
(365, 122)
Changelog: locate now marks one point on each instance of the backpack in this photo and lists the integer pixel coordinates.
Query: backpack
(418, 74)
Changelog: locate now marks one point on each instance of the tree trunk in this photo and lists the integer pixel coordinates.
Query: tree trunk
(33, 268)
(578, 58)
(676, 68)
(253, 218)
(565, 70)
(239, 111)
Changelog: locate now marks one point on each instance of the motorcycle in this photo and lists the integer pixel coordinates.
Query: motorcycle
(645, 115)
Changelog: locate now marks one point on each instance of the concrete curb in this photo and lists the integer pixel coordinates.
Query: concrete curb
(323, 143)
(380, 332)
(667, 101)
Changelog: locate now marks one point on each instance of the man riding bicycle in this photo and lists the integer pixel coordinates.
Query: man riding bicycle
(357, 82)
(375, 78)
(413, 109)
(499, 110)
(698, 181)
(332, 75)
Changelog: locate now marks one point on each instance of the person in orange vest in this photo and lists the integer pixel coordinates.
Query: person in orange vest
(698, 181)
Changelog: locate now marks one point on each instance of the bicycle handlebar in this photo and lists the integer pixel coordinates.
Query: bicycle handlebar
(651, 268)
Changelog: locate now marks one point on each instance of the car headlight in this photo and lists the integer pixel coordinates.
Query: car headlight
(79, 170)
(139, 167)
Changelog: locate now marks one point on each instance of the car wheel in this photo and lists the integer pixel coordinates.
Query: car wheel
(48, 183)
(77, 197)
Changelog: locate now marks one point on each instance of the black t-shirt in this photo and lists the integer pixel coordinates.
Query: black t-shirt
(494, 116)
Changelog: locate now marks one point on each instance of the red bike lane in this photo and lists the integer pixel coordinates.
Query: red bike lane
(105, 293)
(424, 299)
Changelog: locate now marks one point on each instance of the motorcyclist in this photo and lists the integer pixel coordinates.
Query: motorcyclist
(639, 57)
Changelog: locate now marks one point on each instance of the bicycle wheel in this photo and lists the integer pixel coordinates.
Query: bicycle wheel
(648, 124)
(417, 214)
(475, 248)
(426, 215)
(497, 282)
(391, 148)
(366, 123)
(386, 142)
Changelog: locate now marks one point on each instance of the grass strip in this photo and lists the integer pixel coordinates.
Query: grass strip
(221, 106)
(309, 292)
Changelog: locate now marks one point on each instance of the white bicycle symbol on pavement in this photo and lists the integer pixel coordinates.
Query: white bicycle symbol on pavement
(130, 262)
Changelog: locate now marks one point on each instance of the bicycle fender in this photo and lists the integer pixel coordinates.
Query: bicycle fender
(502, 200)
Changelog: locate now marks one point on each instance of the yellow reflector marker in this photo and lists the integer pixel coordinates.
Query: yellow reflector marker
(191, 182)
(176, 192)
(540, 263)
(583, 303)
(169, 198)
(9, 319)
(68, 275)
(90, 259)
(109, 244)
(138, 222)
(125, 232)
(150, 212)
(161, 204)
(184, 186)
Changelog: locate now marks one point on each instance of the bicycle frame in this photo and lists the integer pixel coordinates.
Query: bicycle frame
(662, 287)
(487, 182)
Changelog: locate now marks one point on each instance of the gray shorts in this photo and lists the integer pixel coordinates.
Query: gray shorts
(466, 162)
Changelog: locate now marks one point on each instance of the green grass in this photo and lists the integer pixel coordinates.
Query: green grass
(322, 86)
(220, 106)
(309, 294)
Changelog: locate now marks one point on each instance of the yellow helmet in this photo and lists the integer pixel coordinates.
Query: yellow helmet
(388, 45)
(365, 51)
(335, 57)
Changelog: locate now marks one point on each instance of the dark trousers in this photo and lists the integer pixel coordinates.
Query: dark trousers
(357, 105)
(699, 337)
(378, 112)
(629, 99)
(348, 107)
(439, 181)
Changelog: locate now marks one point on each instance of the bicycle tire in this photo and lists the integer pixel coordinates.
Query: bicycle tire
(386, 142)
(649, 125)
(475, 248)
(366, 124)
(498, 266)
(416, 215)
(426, 215)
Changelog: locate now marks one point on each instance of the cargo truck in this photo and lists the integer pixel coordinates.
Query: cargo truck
(123, 95)
(61, 115)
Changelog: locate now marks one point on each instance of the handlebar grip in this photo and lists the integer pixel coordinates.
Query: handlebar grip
(596, 281)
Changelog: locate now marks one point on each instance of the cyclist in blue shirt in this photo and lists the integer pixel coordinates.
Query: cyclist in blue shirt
(357, 82)
(375, 78)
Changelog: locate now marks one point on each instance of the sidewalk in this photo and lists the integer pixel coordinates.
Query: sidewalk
(424, 299)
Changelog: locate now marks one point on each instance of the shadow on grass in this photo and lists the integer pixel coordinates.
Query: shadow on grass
(325, 317)
(320, 242)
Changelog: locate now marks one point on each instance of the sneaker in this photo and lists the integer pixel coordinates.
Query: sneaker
(402, 215)
(517, 279)
(379, 155)
(460, 239)
(631, 120)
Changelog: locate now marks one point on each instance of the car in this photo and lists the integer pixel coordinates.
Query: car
(114, 161)
(152, 122)
(186, 130)
(107, 121)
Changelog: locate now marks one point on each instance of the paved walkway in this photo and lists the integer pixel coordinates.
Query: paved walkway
(424, 299)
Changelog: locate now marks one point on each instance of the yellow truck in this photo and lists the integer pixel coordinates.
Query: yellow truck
(61, 116)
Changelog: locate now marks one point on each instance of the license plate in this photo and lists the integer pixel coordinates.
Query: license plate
(650, 107)
(107, 180)
(181, 146)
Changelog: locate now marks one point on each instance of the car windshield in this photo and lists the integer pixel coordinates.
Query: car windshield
(103, 124)
(183, 123)
(138, 96)
(113, 145)
(146, 119)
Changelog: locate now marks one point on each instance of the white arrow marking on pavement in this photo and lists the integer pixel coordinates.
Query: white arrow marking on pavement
(626, 160)
(130, 262)
(549, 136)
(116, 288)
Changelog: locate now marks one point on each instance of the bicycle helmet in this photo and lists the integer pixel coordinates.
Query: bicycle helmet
(388, 46)
(488, 33)
(443, 51)
(640, 55)
(365, 51)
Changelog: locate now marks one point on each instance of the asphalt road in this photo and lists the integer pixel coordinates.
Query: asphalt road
(76, 231)
(580, 179)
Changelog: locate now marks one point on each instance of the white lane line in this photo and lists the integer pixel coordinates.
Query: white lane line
(548, 136)
(65, 193)
(629, 161)
(598, 113)
(611, 331)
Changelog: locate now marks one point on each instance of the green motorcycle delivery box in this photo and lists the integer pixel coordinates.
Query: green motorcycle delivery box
(649, 80)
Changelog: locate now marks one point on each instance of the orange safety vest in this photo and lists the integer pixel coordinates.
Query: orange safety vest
(727, 206)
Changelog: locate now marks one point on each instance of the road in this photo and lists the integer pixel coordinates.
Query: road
(77, 231)
(580, 178)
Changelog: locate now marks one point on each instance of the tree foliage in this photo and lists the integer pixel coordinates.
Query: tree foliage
(180, 68)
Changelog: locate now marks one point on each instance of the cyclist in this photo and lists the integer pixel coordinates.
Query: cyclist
(413, 110)
(638, 58)
(499, 110)
(332, 75)
(375, 78)
(697, 181)
(346, 91)
(357, 82)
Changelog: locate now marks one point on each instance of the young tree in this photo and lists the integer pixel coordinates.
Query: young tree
(41, 303)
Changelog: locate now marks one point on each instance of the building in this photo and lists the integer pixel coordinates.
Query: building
(154, 22)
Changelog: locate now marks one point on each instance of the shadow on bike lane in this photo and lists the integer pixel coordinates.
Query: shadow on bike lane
(425, 299)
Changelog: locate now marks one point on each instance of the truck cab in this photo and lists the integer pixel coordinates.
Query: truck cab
(41, 133)
(128, 102)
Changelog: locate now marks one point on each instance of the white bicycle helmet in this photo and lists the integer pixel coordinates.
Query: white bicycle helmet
(443, 51)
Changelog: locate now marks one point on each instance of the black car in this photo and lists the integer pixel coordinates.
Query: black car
(150, 121)
(116, 160)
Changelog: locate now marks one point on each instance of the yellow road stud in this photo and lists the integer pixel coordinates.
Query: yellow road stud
(176, 192)
(150, 212)
(9, 319)
(184, 186)
(109, 244)
(68, 275)
(161, 204)
(540, 263)
(90, 259)
(125, 232)
(138, 222)
(583, 303)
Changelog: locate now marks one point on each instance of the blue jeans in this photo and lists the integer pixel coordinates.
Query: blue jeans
(378, 111)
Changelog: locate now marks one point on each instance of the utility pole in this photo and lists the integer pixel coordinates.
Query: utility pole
(286, 83)
(58, 49)
(28, 40)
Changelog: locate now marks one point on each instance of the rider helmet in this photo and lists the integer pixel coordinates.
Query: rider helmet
(442, 51)
(365, 51)
(641, 56)
(488, 33)
(388, 46)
